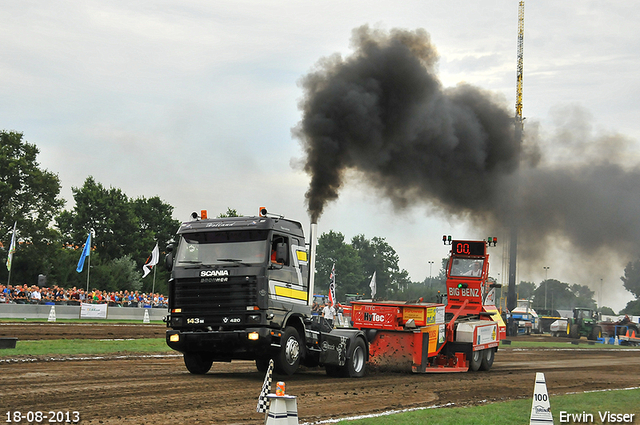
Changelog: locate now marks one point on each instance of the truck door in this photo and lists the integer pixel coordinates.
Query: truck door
(286, 282)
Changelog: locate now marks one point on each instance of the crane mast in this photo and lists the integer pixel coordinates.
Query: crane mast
(513, 239)
(520, 57)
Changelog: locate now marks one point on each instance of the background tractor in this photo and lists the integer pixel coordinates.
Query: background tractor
(584, 323)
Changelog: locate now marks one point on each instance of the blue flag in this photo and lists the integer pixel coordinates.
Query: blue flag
(85, 253)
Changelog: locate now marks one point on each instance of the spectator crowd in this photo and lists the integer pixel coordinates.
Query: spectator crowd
(23, 294)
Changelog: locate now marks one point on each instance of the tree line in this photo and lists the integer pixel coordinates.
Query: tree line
(127, 229)
(50, 237)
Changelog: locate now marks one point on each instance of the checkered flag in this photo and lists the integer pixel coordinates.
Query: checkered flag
(263, 402)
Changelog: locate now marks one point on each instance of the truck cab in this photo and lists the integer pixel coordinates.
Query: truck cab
(239, 290)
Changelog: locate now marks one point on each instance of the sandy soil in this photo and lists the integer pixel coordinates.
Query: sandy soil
(139, 389)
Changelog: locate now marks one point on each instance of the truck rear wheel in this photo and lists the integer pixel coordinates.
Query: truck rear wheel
(197, 363)
(288, 358)
(476, 360)
(487, 359)
(356, 362)
(355, 366)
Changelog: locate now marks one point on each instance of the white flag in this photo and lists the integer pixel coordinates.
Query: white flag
(12, 247)
(151, 261)
(332, 286)
(372, 285)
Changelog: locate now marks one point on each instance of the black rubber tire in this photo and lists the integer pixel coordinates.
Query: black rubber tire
(333, 370)
(356, 365)
(596, 333)
(262, 365)
(573, 330)
(487, 359)
(288, 358)
(476, 360)
(197, 363)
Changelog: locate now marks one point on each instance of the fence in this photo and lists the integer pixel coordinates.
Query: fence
(41, 311)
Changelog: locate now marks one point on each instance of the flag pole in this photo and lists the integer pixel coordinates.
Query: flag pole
(92, 233)
(12, 248)
(88, 270)
(153, 288)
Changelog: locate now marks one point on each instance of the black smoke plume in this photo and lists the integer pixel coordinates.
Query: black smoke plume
(383, 112)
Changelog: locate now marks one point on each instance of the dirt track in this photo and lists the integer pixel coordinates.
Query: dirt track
(138, 389)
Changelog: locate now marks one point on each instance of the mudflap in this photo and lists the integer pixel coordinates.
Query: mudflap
(333, 349)
(391, 350)
(453, 357)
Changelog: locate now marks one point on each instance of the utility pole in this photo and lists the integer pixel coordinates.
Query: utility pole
(430, 281)
(600, 296)
(546, 284)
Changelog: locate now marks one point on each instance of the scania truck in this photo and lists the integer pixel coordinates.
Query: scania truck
(241, 288)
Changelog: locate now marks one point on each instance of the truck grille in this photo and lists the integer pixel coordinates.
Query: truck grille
(192, 295)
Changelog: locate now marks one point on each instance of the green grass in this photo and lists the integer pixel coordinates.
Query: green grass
(80, 321)
(562, 344)
(517, 411)
(85, 346)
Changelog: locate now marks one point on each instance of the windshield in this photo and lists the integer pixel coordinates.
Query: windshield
(584, 314)
(215, 248)
(466, 267)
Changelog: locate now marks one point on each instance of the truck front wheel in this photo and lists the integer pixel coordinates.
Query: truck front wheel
(288, 358)
(197, 363)
(262, 365)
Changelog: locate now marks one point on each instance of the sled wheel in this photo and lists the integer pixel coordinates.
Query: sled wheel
(487, 359)
(476, 360)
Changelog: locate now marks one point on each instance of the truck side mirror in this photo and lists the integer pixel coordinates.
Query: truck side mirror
(168, 261)
(170, 245)
(281, 253)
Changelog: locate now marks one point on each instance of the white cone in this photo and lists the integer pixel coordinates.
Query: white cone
(52, 314)
(146, 316)
(540, 407)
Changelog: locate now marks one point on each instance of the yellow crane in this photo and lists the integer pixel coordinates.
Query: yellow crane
(520, 57)
(519, 126)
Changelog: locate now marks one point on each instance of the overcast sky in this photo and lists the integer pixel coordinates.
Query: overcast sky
(194, 101)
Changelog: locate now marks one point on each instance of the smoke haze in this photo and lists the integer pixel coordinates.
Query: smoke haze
(383, 112)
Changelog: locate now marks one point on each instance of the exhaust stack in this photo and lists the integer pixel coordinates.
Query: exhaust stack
(313, 241)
